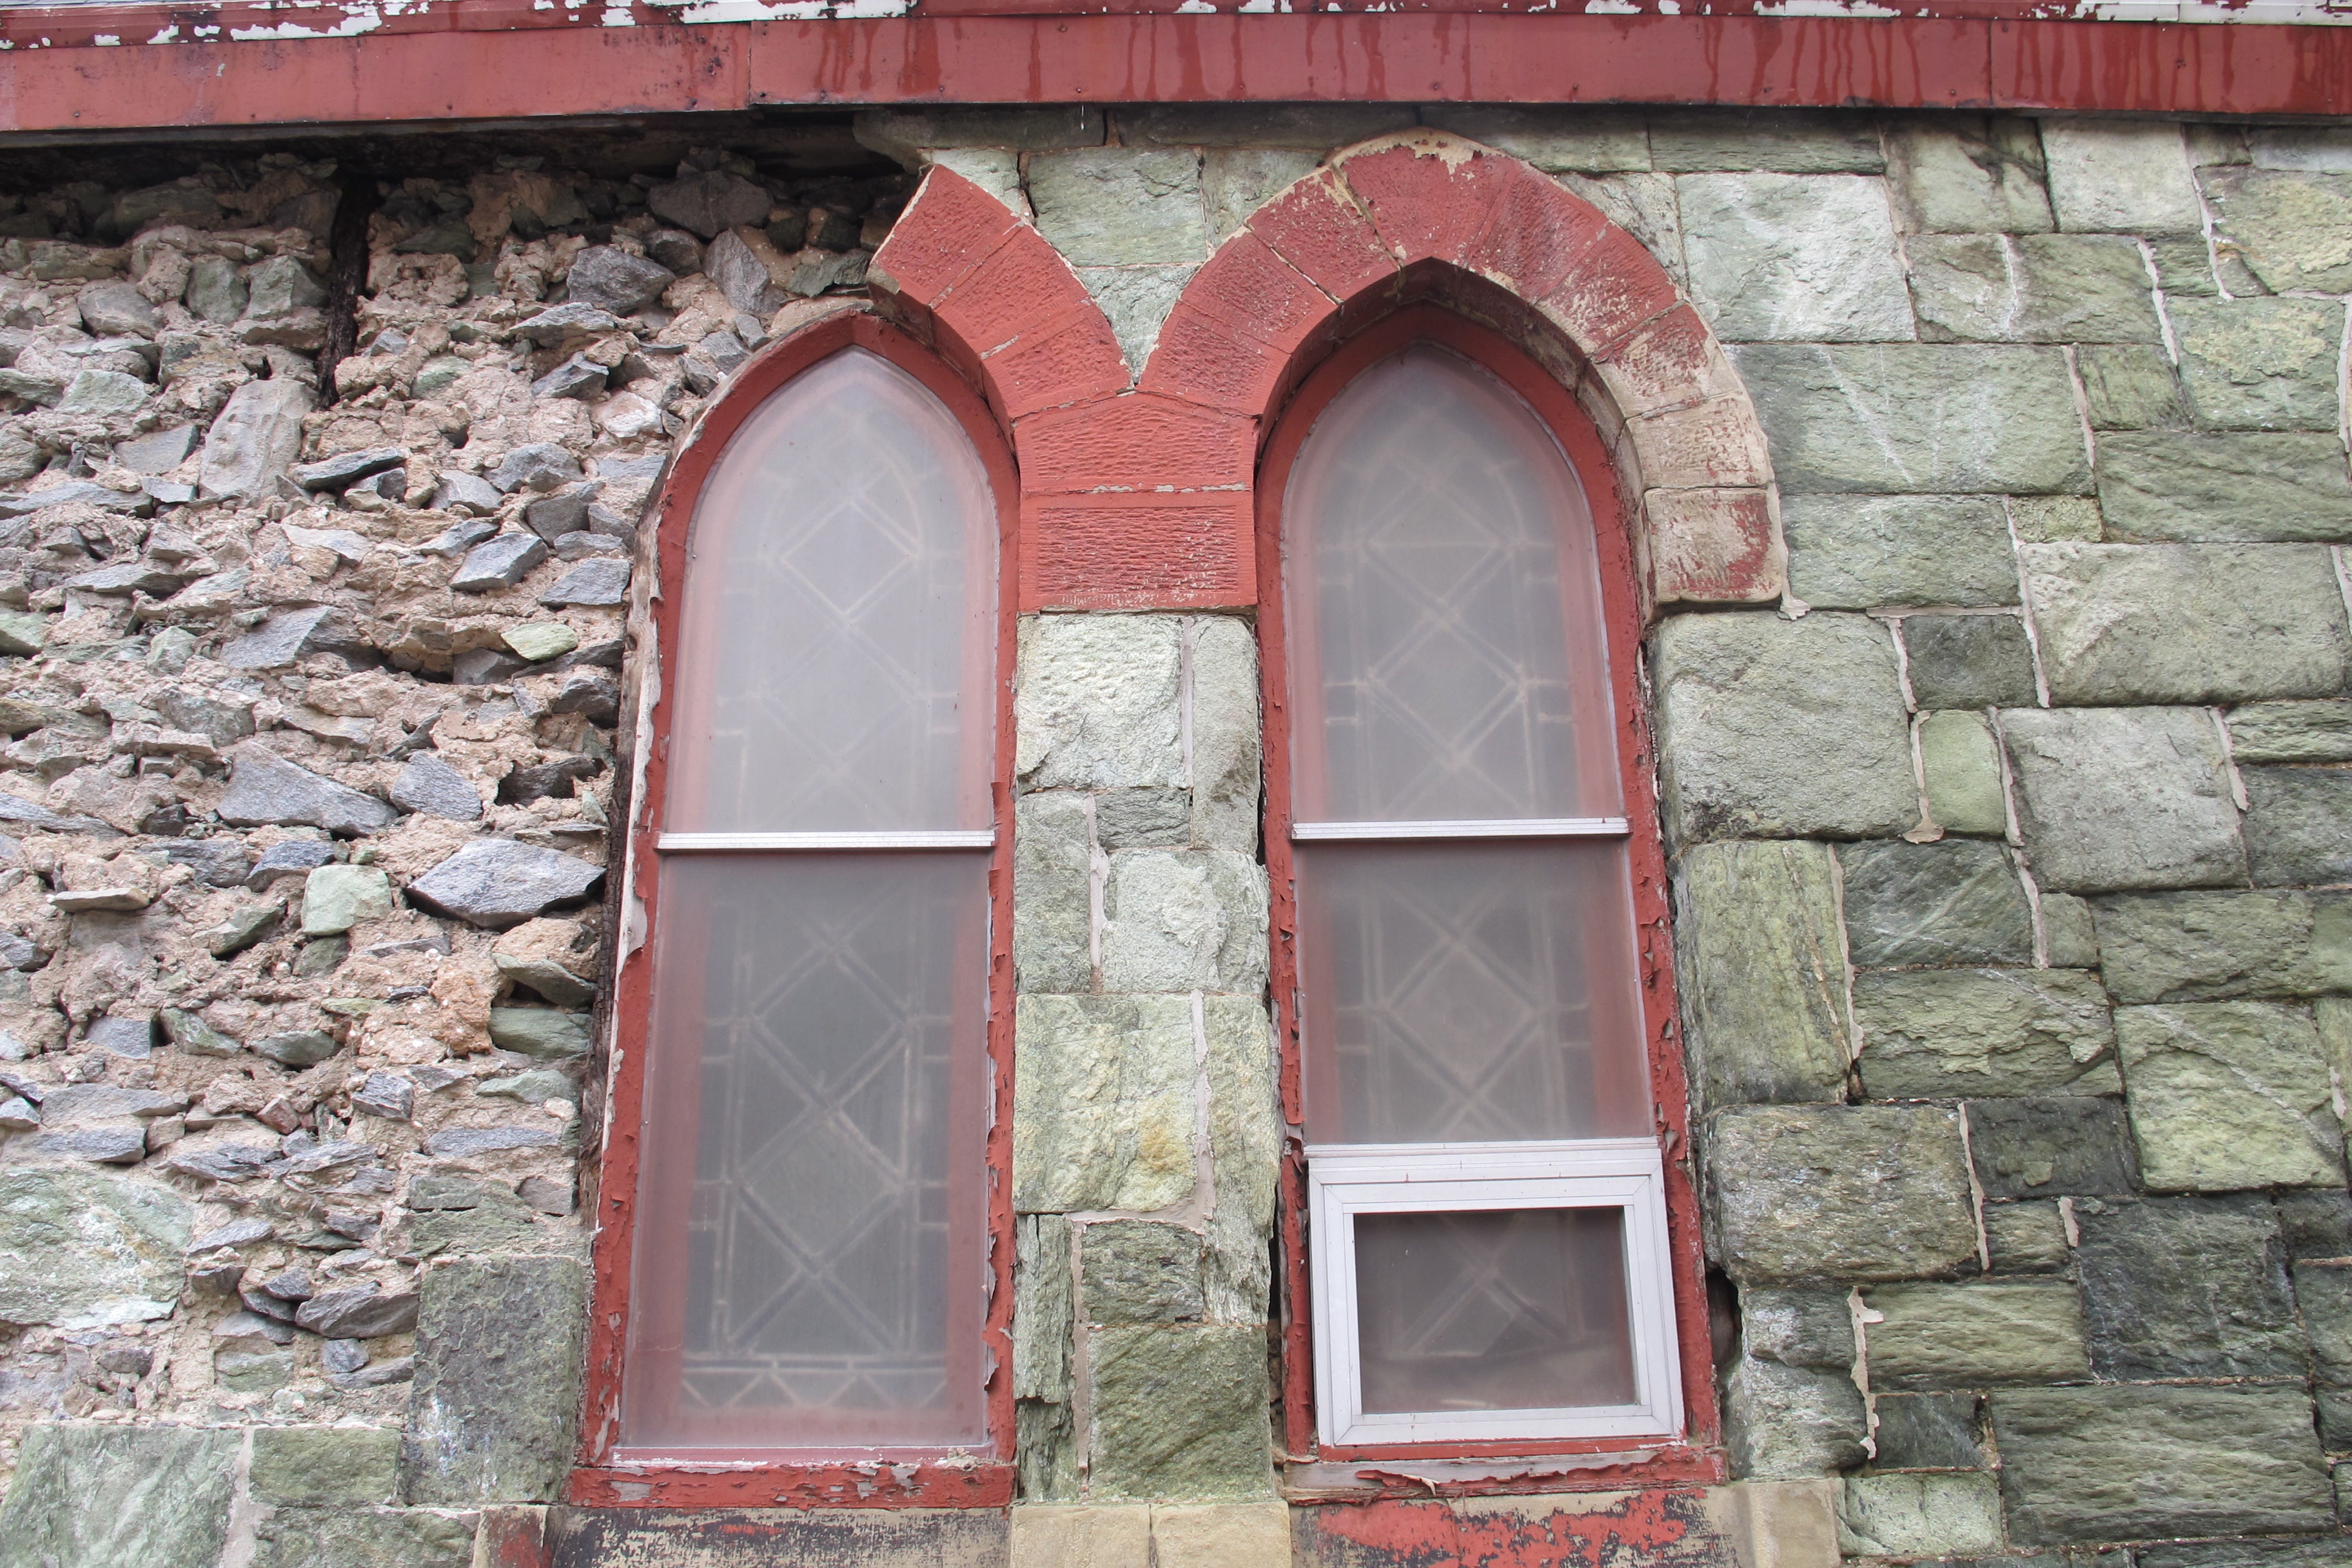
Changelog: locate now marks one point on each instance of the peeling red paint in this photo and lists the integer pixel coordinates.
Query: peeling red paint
(1658, 1528)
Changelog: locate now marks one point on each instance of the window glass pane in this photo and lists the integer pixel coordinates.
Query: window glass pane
(1469, 992)
(1493, 1309)
(838, 623)
(1448, 653)
(809, 1266)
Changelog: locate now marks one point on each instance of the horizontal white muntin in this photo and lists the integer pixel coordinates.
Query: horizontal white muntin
(769, 843)
(1486, 827)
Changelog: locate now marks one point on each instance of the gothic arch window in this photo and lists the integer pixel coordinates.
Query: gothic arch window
(1489, 1257)
(805, 1040)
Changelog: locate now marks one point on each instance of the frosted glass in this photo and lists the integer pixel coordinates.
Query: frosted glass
(834, 670)
(1448, 653)
(810, 1245)
(1469, 992)
(1493, 1309)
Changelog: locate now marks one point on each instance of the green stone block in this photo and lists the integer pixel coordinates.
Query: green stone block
(2068, 933)
(539, 1032)
(1917, 418)
(2318, 732)
(362, 1538)
(298, 1466)
(1797, 1326)
(1557, 140)
(1103, 1103)
(2106, 1464)
(2112, 799)
(1927, 1431)
(1843, 1192)
(2177, 1287)
(2050, 519)
(337, 898)
(1786, 1423)
(500, 1344)
(1942, 1033)
(2323, 1292)
(2026, 1238)
(2061, 1144)
(2211, 946)
(1974, 1335)
(1792, 142)
(1132, 1271)
(537, 640)
(1777, 729)
(2033, 288)
(2242, 487)
(1052, 889)
(2290, 225)
(1967, 174)
(2298, 825)
(2260, 364)
(1763, 992)
(76, 1245)
(1919, 1515)
(2130, 387)
(22, 632)
(1969, 661)
(1856, 552)
(1042, 1312)
(119, 1497)
(1244, 1154)
(1119, 207)
(1954, 902)
(1180, 1414)
(2230, 1095)
(2184, 265)
(452, 1217)
(1961, 762)
(436, 375)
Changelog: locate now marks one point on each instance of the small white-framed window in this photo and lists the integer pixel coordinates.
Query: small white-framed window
(1487, 1240)
(1483, 1293)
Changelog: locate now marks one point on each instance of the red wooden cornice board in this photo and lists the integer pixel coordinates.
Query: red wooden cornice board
(492, 59)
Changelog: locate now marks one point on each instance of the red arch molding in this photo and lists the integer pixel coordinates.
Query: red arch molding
(494, 59)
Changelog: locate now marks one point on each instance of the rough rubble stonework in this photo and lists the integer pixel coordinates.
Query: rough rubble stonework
(2009, 851)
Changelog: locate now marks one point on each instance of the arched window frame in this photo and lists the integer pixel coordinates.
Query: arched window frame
(1695, 1453)
(606, 1474)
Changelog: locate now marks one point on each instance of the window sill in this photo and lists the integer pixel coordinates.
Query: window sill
(1338, 1480)
(876, 1482)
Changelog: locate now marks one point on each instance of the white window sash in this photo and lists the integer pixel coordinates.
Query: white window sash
(1488, 827)
(1625, 1173)
(775, 842)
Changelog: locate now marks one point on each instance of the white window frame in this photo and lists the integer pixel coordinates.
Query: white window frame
(1625, 1173)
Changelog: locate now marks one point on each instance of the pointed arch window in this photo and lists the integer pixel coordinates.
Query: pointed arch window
(1488, 1251)
(808, 1260)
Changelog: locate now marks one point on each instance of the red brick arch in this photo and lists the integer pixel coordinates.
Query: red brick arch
(1140, 495)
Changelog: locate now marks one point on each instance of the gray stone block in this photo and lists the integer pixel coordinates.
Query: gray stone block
(2291, 732)
(1771, 728)
(2288, 225)
(1928, 1431)
(2112, 799)
(1052, 893)
(2315, 1224)
(2230, 1095)
(497, 882)
(2187, 623)
(1244, 1153)
(1225, 735)
(1794, 258)
(1143, 818)
(1180, 1414)
(1864, 1192)
(902, 133)
(1917, 418)
(77, 1245)
(2203, 947)
(500, 1347)
(1133, 1271)
(103, 1496)
(308, 1466)
(1969, 661)
(2109, 1464)
(253, 438)
(1137, 300)
(2070, 1145)
(2323, 1295)
(1797, 1326)
(1967, 174)
(1975, 1335)
(1854, 552)
(1103, 1103)
(1908, 904)
(2187, 1287)
(1794, 142)
(1097, 703)
(431, 785)
(362, 1538)
(2130, 387)
(1579, 139)
(2298, 825)
(2260, 364)
(771, 1538)
(1185, 921)
(2038, 289)
(1237, 181)
(2120, 176)
(1320, 126)
(1944, 1034)
(2026, 1237)
(1916, 1515)
(1762, 973)
(2243, 488)
(1042, 1310)
(1120, 207)
(1785, 1422)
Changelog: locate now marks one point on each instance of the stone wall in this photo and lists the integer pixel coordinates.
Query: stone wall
(2009, 851)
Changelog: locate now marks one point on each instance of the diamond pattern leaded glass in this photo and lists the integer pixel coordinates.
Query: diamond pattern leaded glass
(838, 626)
(1447, 657)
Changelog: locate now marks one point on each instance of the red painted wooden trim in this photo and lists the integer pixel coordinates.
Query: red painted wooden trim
(1700, 1458)
(608, 1475)
(56, 80)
